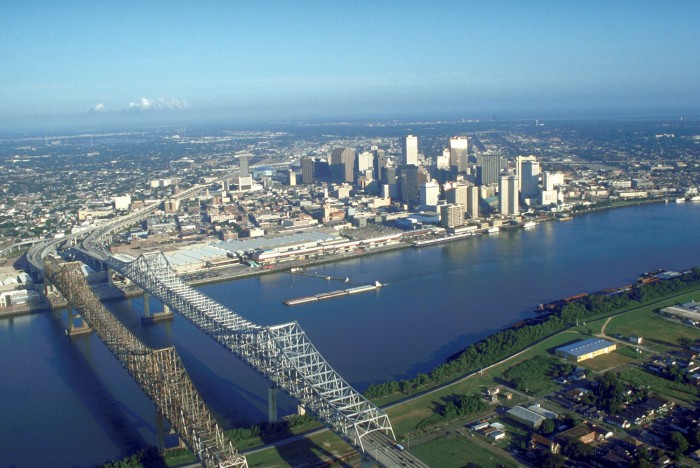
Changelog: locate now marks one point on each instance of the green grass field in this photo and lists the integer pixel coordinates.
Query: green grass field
(658, 332)
(661, 386)
(458, 451)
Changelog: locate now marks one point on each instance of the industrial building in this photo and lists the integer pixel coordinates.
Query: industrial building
(689, 312)
(586, 349)
(526, 417)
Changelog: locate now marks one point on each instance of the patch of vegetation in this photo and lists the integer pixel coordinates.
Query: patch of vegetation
(463, 405)
(142, 459)
(535, 375)
(664, 387)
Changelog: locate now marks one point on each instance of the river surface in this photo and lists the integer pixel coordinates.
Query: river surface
(67, 402)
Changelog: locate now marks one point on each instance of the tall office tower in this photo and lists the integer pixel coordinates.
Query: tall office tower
(244, 170)
(508, 195)
(458, 196)
(528, 172)
(307, 170)
(364, 161)
(451, 215)
(292, 177)
(322, 169)
(227, 186)
(423, 176)
(389, 175)
(409, 150)
(378, 163)
(408, 181)
(488, 168)
(429, 193)
(443, 160)
(343, 164)
(473, 201)
(459, 154)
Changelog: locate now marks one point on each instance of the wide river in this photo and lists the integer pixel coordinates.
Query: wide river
(67, 402)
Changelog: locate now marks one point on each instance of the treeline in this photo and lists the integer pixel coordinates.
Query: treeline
(512, 340)
(465, 404)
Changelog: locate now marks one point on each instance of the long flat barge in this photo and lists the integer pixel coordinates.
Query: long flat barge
(439, 240)
(333, 294)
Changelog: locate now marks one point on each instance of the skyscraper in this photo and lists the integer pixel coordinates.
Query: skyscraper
(244, 170)
(488, 168)
(473, 201)
(429, 193)
(408, 181)
(508, 195)
(528, 171)
(409, 150)
(459, 150)
(343, 164)
(307, 170)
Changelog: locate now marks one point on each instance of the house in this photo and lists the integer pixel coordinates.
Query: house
(584, 433)
(617, 420)
(497, 435)
(538, 442)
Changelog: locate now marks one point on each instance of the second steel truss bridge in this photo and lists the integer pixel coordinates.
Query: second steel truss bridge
(283, 354)
(159, 372)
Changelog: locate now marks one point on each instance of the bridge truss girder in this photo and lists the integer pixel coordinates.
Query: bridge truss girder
(159, 372)
(283, 354)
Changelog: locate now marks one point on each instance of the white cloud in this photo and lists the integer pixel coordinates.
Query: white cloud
(145, 104)
(99, 107)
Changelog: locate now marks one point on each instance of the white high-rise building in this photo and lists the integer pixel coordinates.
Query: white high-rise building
(508, 195)
(443, 161)
(550, 181)
(365, 161)
(459, 150)
(409, 150)
(429, 193)
(473, 201)
(525, 165)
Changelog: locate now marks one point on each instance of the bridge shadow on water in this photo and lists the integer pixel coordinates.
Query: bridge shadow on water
(120, 423)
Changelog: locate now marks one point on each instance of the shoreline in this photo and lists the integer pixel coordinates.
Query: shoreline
(109, 293)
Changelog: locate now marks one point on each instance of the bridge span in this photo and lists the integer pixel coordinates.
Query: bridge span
(283, 354)
(159, 372)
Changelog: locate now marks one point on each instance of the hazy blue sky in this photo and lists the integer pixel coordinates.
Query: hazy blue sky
(294, 59)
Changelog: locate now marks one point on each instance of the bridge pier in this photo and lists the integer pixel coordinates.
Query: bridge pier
(166, 314)
(272, 404)
(74, 330)
(159, 433)
(301, 410)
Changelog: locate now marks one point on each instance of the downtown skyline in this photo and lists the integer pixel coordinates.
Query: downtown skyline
(97, 64)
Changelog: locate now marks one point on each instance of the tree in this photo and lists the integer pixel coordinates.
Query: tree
(677, 442)
(685, 342)
(551, 460)
(547, 426)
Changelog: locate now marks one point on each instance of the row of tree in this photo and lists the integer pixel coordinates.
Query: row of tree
(512, 340)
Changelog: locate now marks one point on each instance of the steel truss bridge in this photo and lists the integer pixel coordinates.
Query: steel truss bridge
(159, 372)
(283, 354)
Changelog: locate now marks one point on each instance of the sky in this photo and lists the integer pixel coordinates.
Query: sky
(104, 61)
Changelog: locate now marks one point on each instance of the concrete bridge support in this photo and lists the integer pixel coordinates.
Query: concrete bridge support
(74, 329)
(166, 314)
(272, 404)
